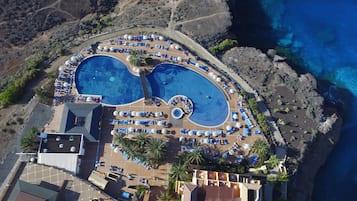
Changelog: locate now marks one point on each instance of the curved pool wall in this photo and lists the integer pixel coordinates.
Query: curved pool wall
(109, 77)
(210, 107)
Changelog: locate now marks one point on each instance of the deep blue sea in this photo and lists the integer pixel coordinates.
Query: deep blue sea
(323, 33)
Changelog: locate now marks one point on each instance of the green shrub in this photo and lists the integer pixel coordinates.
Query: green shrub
(28, 139)
(223, 46)
(14, 92)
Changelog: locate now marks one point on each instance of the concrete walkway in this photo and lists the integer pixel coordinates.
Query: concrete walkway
(192, 45)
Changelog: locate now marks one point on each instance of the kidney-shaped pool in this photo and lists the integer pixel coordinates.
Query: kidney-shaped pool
(110, 78)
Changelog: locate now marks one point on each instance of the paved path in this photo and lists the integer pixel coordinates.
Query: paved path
(192, 45)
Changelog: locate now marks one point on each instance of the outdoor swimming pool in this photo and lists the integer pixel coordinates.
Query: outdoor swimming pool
(107, 76)
(110, 78)
(210, 105)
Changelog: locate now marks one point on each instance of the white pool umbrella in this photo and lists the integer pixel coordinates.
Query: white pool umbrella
(113, 132)
(116, 150)
(229, 127)
(164, 131)
(121, 113)
(116, 113)
(131, 129)
(207, 133)
(190, 133)
(218, 79)
(238, 125)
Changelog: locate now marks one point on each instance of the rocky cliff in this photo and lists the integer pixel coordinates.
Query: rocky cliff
(308, 127)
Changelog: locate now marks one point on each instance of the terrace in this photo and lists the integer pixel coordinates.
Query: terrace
(233, 138)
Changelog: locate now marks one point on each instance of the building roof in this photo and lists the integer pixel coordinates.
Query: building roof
(215, 193)
(98, 179)
(64, 161)
(81, 118)
(24, 191)
(60, 143)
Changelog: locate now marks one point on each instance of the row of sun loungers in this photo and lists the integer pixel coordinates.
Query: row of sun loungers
(144, 122)
(214, 141)
(207, 133)
(204, 68)
(139, 114)
(246, 118)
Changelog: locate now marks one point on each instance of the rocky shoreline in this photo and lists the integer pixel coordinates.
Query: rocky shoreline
(276, 81)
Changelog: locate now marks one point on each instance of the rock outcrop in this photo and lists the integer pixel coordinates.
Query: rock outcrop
(309, 131)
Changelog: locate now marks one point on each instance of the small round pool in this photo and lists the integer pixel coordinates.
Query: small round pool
(177, 113)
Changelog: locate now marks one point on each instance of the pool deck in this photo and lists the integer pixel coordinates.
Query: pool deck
(157, 178)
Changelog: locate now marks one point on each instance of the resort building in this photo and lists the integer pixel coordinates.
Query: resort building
(215, 186)
(61, 150)
(36, 182)
(176, 97)
(81, 118)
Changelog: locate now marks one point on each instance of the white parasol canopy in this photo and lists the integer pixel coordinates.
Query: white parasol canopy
(177, 47)
(116, 113)
(182, 139)
(113, 132)
(153, 130)
(229, 127)
(190, 133)
(207, 133)
(238, 125)
(131, 129)
(218, 79)
(164, 131)
(60, 68)
(111, 49)
(161, 38)
(235, 116)
(89, 99)
(199, 134)
(179, 59)
(197, 65)
(100, 48)
(116, 150)
(121, 113)
(231, 91)
(67, 63)
(214, 134)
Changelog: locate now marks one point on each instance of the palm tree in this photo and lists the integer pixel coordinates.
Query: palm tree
(118, 139)
(261, 149)
(165, 196)
(155, 150)
(141, 140)
(179, 172)
(140, 191)
(195, 156)
(273, 161)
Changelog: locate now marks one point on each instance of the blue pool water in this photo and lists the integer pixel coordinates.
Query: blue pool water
(323, 34)
(107, 76)
(210, 105)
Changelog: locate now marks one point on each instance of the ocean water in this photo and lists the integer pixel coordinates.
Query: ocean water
(323, 34)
